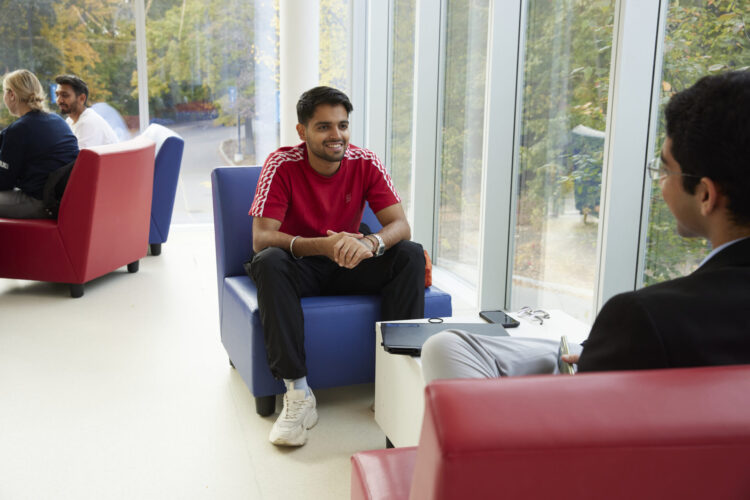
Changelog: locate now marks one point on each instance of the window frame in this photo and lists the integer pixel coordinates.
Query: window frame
(635, 69)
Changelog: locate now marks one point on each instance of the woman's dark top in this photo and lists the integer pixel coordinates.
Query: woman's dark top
(32, 147)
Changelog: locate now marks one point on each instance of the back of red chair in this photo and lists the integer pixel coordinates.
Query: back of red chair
(103, 222)
(682, 433)
(104, 214)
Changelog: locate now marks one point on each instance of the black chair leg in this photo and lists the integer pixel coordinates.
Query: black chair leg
(265, 405)
(388, 443)
(133, 266)
(155, 248)
(76, 291)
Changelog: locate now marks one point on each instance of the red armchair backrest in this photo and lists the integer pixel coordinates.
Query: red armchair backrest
(104, 213)
(682, 433)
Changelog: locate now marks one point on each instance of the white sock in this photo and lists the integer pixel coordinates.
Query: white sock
(299, 384)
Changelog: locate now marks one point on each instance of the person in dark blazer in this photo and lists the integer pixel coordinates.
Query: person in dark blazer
(698, 320)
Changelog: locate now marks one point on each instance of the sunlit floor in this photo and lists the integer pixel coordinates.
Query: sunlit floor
(127, 393)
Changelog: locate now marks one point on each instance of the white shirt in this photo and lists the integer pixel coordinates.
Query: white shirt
(92, 130)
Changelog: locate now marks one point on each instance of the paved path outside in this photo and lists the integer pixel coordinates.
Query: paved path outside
(193, 200)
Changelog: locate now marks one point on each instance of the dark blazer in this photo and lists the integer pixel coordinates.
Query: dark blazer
(698, 320)
(34, 146)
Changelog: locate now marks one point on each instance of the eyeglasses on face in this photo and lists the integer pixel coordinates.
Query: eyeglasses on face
(656, 170)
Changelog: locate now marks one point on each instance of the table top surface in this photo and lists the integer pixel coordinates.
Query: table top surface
(559, 323)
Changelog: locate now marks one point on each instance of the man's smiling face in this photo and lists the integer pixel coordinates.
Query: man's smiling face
(327, 133)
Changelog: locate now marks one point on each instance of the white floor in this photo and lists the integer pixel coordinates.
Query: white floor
(127, 393)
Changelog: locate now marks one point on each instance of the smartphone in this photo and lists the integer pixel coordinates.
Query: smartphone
(499, 317)
(565, 368)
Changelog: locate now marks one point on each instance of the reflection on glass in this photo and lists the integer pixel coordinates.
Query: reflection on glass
(335, 46)
(402, 99)
(93, 40)
(462, 132)
(702, 37)
(213, 79)
(566, 81)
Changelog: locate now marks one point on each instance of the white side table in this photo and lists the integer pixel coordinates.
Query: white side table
(399, 384)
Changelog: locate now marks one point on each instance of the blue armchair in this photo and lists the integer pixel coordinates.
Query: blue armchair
(169, 147)
(339, 330)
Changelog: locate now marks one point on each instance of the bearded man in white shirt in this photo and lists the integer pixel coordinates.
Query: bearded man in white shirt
(88, 126)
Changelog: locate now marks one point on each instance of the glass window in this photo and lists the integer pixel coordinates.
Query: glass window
(94, 40)
(402, 100)
(462, 138)
(564, 103)
(213, 78)
(335, 44)
(702, 37)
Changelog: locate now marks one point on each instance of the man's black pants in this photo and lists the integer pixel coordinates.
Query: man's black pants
(398, 276)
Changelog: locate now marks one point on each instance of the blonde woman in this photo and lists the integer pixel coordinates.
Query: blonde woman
(32, 147)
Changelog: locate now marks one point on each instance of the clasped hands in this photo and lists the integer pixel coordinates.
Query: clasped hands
(348, 249)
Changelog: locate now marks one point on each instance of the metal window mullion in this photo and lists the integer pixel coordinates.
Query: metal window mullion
(652, 146)
(500, 137)
(626, 151)
(442, 44)
(425, 115)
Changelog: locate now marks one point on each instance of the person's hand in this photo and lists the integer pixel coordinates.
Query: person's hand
(570, 358)
(349, 249)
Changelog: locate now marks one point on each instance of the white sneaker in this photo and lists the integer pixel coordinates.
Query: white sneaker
(298, 415)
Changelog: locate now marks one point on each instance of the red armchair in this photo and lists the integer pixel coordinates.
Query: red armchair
(103, 222)
(681, 433)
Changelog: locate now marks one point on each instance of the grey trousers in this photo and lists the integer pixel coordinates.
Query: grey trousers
(15, 204)
(460, 354)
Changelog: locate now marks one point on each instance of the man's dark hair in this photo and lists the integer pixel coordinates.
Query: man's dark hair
(709, 124)
(78, 85)
(317, 96)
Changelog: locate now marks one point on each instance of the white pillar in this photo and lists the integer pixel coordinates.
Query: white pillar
(298, 40)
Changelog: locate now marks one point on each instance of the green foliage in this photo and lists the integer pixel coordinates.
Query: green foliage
(90, 38)
(566, 83)
(197, 51)
(566, 71)
(200, 49)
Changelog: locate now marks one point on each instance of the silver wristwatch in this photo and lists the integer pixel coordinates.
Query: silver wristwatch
(381, 245)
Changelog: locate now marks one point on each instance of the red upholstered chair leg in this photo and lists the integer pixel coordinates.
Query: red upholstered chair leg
(76, 291)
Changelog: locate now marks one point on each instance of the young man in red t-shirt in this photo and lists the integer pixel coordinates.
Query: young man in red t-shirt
(306, 215)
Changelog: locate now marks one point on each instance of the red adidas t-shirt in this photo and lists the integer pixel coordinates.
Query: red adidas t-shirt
(308, 203)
